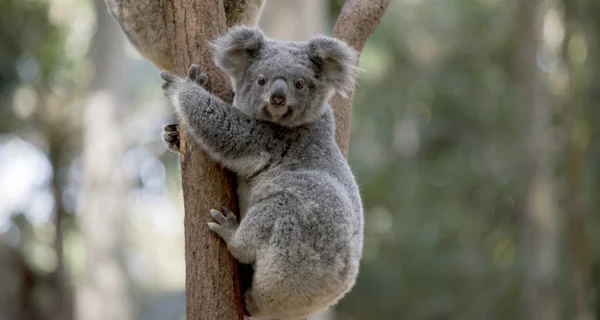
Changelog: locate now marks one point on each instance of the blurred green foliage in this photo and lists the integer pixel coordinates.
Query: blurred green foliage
(435, 146)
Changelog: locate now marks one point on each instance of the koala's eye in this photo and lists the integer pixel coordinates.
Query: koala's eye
(299, 84)
(261, 80)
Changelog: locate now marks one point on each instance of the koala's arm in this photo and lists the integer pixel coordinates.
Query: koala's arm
(237, 141)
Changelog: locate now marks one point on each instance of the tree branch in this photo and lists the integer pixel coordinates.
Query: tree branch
(355, 25)
(244, 12)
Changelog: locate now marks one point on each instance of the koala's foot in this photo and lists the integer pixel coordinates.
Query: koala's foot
(227, 223)
(170, 136)
(250, 306)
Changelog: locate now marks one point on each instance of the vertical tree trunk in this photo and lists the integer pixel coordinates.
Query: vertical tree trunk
(103, 293)
(575, 152)
(540, 226)
(213, 289)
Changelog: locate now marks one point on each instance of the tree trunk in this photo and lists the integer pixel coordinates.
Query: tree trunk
(103, 293)
(540, 225)
(213, 288)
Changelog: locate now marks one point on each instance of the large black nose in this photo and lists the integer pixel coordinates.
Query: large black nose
(278, 99)
(278, 92)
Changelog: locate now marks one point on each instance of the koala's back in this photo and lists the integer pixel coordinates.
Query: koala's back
(312, 245)
(310, 216)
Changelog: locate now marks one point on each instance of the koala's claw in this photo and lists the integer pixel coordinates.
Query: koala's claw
(170, 136)
(227, 223)
(249, 304)
(195, 75)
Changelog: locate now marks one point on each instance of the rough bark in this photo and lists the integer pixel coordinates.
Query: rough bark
(539, 223)
(213, 289)
(246, 12)
(103, 292)
(144, 22)
(355, 24)
(173, 34)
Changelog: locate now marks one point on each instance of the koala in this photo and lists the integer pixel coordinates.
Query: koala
(301, 225)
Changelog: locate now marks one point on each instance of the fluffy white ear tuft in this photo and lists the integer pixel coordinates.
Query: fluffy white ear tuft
(335, 61)
(236, 48)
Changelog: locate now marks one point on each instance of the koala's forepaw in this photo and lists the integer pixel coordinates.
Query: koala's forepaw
(196, 76)
(227, 223)
(172, 85)
(170, 136)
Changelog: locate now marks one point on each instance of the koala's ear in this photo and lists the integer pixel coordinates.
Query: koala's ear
(237, 47)
(335, 62)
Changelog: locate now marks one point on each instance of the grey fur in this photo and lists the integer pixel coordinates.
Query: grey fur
(302, 218)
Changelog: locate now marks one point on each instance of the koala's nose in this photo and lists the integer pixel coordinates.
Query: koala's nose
(277, 99)
(278, 91)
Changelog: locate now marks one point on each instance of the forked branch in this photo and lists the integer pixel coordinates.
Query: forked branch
(355, 25)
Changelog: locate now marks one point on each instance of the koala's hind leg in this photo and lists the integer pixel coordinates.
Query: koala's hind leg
(268, 305)
(240, 238)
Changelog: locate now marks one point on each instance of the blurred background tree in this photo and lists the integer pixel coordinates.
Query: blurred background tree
(437, 145)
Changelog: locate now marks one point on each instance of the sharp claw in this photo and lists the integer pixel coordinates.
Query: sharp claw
(202, 78)
(173, 127)
(193, 72)
(227, 212)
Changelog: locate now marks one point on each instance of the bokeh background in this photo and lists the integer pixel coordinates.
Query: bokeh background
(91, 217)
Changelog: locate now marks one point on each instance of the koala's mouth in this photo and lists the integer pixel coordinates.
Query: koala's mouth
(277, 113)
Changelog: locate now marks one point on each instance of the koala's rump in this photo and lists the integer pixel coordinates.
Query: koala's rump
(312, 243)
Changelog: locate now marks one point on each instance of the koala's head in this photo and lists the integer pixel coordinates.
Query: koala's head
(288, 83)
